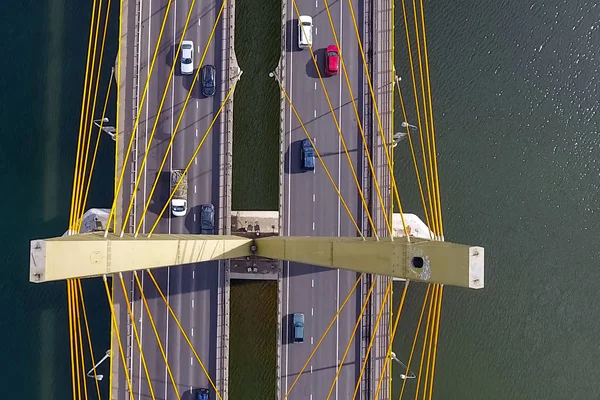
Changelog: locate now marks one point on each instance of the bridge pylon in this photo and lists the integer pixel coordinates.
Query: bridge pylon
(93, 254)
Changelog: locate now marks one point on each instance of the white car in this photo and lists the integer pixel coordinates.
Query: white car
(187, 57)
(305, 25)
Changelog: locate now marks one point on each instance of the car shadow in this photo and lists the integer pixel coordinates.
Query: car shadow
(161, 195)
(286, 322)
(291, 35)
(311, 70)
(293, 163)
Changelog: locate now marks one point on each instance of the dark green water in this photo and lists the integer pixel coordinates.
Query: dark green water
(515, 103)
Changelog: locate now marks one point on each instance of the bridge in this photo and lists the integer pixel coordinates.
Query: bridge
(170, 303)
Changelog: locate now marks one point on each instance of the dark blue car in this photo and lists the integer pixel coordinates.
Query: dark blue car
(307, 156)
(202, 394)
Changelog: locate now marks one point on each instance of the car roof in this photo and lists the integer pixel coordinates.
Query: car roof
(306, 143)
(305, 18)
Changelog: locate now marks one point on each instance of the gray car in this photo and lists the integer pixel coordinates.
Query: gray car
(207, 219)
(209, 78)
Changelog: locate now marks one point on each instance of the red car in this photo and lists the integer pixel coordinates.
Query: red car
(332, 60)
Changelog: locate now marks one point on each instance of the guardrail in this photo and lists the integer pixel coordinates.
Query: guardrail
(230, 73)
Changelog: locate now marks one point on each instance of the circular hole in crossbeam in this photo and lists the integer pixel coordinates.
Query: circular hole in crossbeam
(417, 262)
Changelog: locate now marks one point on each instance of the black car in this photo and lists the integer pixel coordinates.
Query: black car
(207, 219)
(202, 394)
(307, 156)
(209, 78)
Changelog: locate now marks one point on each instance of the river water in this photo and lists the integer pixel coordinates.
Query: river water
(515, 103)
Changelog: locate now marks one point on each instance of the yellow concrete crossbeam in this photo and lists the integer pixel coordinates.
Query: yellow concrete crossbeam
(418, 260)
(92, 254)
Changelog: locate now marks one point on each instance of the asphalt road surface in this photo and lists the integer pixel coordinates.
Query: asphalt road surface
(312, 206)
(192, 289)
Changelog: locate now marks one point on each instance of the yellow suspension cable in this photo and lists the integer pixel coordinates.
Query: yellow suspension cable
(335, 317)
(117, 127)
(429, 164)
(160, 346)
(187, 339)
(430, 342)
(81, 122)
(414, 158)
(89, 337)
(337, 190)
(80, 339)
(187, 167)
(116, 324)
(89, 180)
(81, 211)
(419, 123)
(388, 353)
(380, 125)
(372, 340)
(112, 327)
(339, 130)
(71, 339)
(175, 130)
(427, 327)
(435, 339)
(74, 304)
(435, 168)
(137, 118)
(352, 336)
(360, 126)
(137, 336)
(414, 344)
(138, 178)
(88, 130)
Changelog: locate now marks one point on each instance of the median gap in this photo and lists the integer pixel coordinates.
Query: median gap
(253, 339)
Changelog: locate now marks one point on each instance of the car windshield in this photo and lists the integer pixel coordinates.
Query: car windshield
(332, 54)
(306, 23)
(178, 208)
(187, 60)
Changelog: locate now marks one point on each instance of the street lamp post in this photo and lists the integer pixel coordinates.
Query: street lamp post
(109, 130)
(410, 375)
(98, 377)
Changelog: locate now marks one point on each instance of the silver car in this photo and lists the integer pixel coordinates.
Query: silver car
(187, 57)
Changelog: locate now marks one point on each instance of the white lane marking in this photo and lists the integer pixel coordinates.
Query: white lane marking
(315, 85)
(311, 371)
(196, 104)
(194, 188)
(315, 113)
(198, 46)
(196, 160)
(314, 197)
(192, 303)
(312, 311)
(313, 226)
(194, 217)
(316, 4)
(312, 339)
(191, 361)
(196, 132)
(312, 283)
(193, 274)
(198, 21)
(192, 333)
(315, 31)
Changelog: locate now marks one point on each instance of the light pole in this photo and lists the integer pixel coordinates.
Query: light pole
(410, 375)
(109, 130)
(405, 124)
(98, 377)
